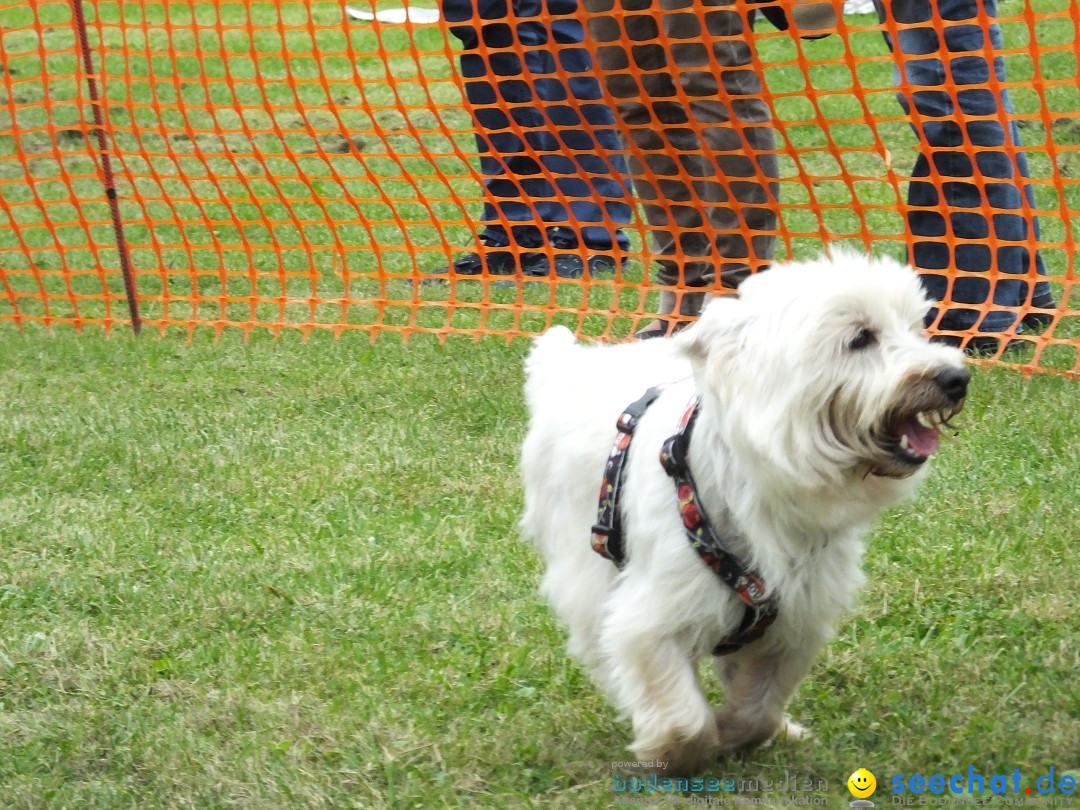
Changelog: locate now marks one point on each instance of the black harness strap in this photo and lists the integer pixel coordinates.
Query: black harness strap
(760, 609)
(607, 540)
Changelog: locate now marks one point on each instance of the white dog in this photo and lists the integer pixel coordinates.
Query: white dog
(820, 402)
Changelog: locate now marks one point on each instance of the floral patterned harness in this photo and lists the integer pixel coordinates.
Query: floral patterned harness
(760, 608)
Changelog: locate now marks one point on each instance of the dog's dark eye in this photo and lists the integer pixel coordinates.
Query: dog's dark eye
(863, 338)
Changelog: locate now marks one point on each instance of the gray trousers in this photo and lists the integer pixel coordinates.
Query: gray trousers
(702, 148)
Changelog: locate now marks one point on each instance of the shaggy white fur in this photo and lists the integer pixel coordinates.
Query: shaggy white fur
(821, 401)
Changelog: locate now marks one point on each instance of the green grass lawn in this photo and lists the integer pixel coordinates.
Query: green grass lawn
(275, 574)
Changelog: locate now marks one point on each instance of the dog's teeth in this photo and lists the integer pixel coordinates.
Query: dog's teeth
(904, 444)
(926, 420)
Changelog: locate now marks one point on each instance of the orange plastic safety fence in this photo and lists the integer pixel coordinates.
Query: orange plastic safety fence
(313, 165)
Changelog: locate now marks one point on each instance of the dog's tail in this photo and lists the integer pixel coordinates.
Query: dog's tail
(549, 345)
(547, 355)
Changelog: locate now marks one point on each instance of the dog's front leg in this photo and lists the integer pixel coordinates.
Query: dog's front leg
(656, 682)
(757, 687)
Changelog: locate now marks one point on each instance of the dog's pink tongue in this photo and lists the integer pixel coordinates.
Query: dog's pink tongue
(922, 440)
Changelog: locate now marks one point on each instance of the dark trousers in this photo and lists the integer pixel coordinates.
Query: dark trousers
(979, 121)
(703, 149)
(575, 185)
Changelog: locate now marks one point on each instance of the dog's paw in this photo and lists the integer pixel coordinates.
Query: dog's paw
(796, 732)
(738, 733)
(790, 731)
(678, 755)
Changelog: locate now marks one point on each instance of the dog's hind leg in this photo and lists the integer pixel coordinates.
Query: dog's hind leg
(756, 691)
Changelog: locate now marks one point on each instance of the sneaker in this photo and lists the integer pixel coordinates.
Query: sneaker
(604, 265)
(1042, 318)
(660, 328)
(978, 346)
(567, 265)
(498, 262)
(571, 265)
(533, 265)
(537, 265)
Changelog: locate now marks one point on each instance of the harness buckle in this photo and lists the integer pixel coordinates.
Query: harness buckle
(629, 418)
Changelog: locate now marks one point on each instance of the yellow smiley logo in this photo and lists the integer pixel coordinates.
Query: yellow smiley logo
(862, 784)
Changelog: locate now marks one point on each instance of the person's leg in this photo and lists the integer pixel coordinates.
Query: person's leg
(975, 120)
(521, 128)
(583, 150)
(496, 92)
(729, 144)
(634, 93)
(698, 171)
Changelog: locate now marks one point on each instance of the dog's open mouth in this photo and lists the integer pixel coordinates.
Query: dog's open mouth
(912, 438)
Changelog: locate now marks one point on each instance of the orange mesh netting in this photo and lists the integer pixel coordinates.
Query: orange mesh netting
(290, 166)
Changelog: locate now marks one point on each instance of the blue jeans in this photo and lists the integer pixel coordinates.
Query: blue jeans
(942, 128)
(553, 116)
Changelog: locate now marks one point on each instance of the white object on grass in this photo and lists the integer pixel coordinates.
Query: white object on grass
(396, 16)
(859, 7)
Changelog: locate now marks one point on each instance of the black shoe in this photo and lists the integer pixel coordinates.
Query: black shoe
(978, 346)
(660, 328)
(1039, 320)
(567, 265)
(533, 265)
(571, 265)
(498, 262)
(604, 265)
(536, 265)
(504, 263)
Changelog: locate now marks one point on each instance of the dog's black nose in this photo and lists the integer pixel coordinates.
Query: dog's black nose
(953, 382)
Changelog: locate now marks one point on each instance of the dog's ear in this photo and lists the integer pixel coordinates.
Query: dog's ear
(717, 333)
